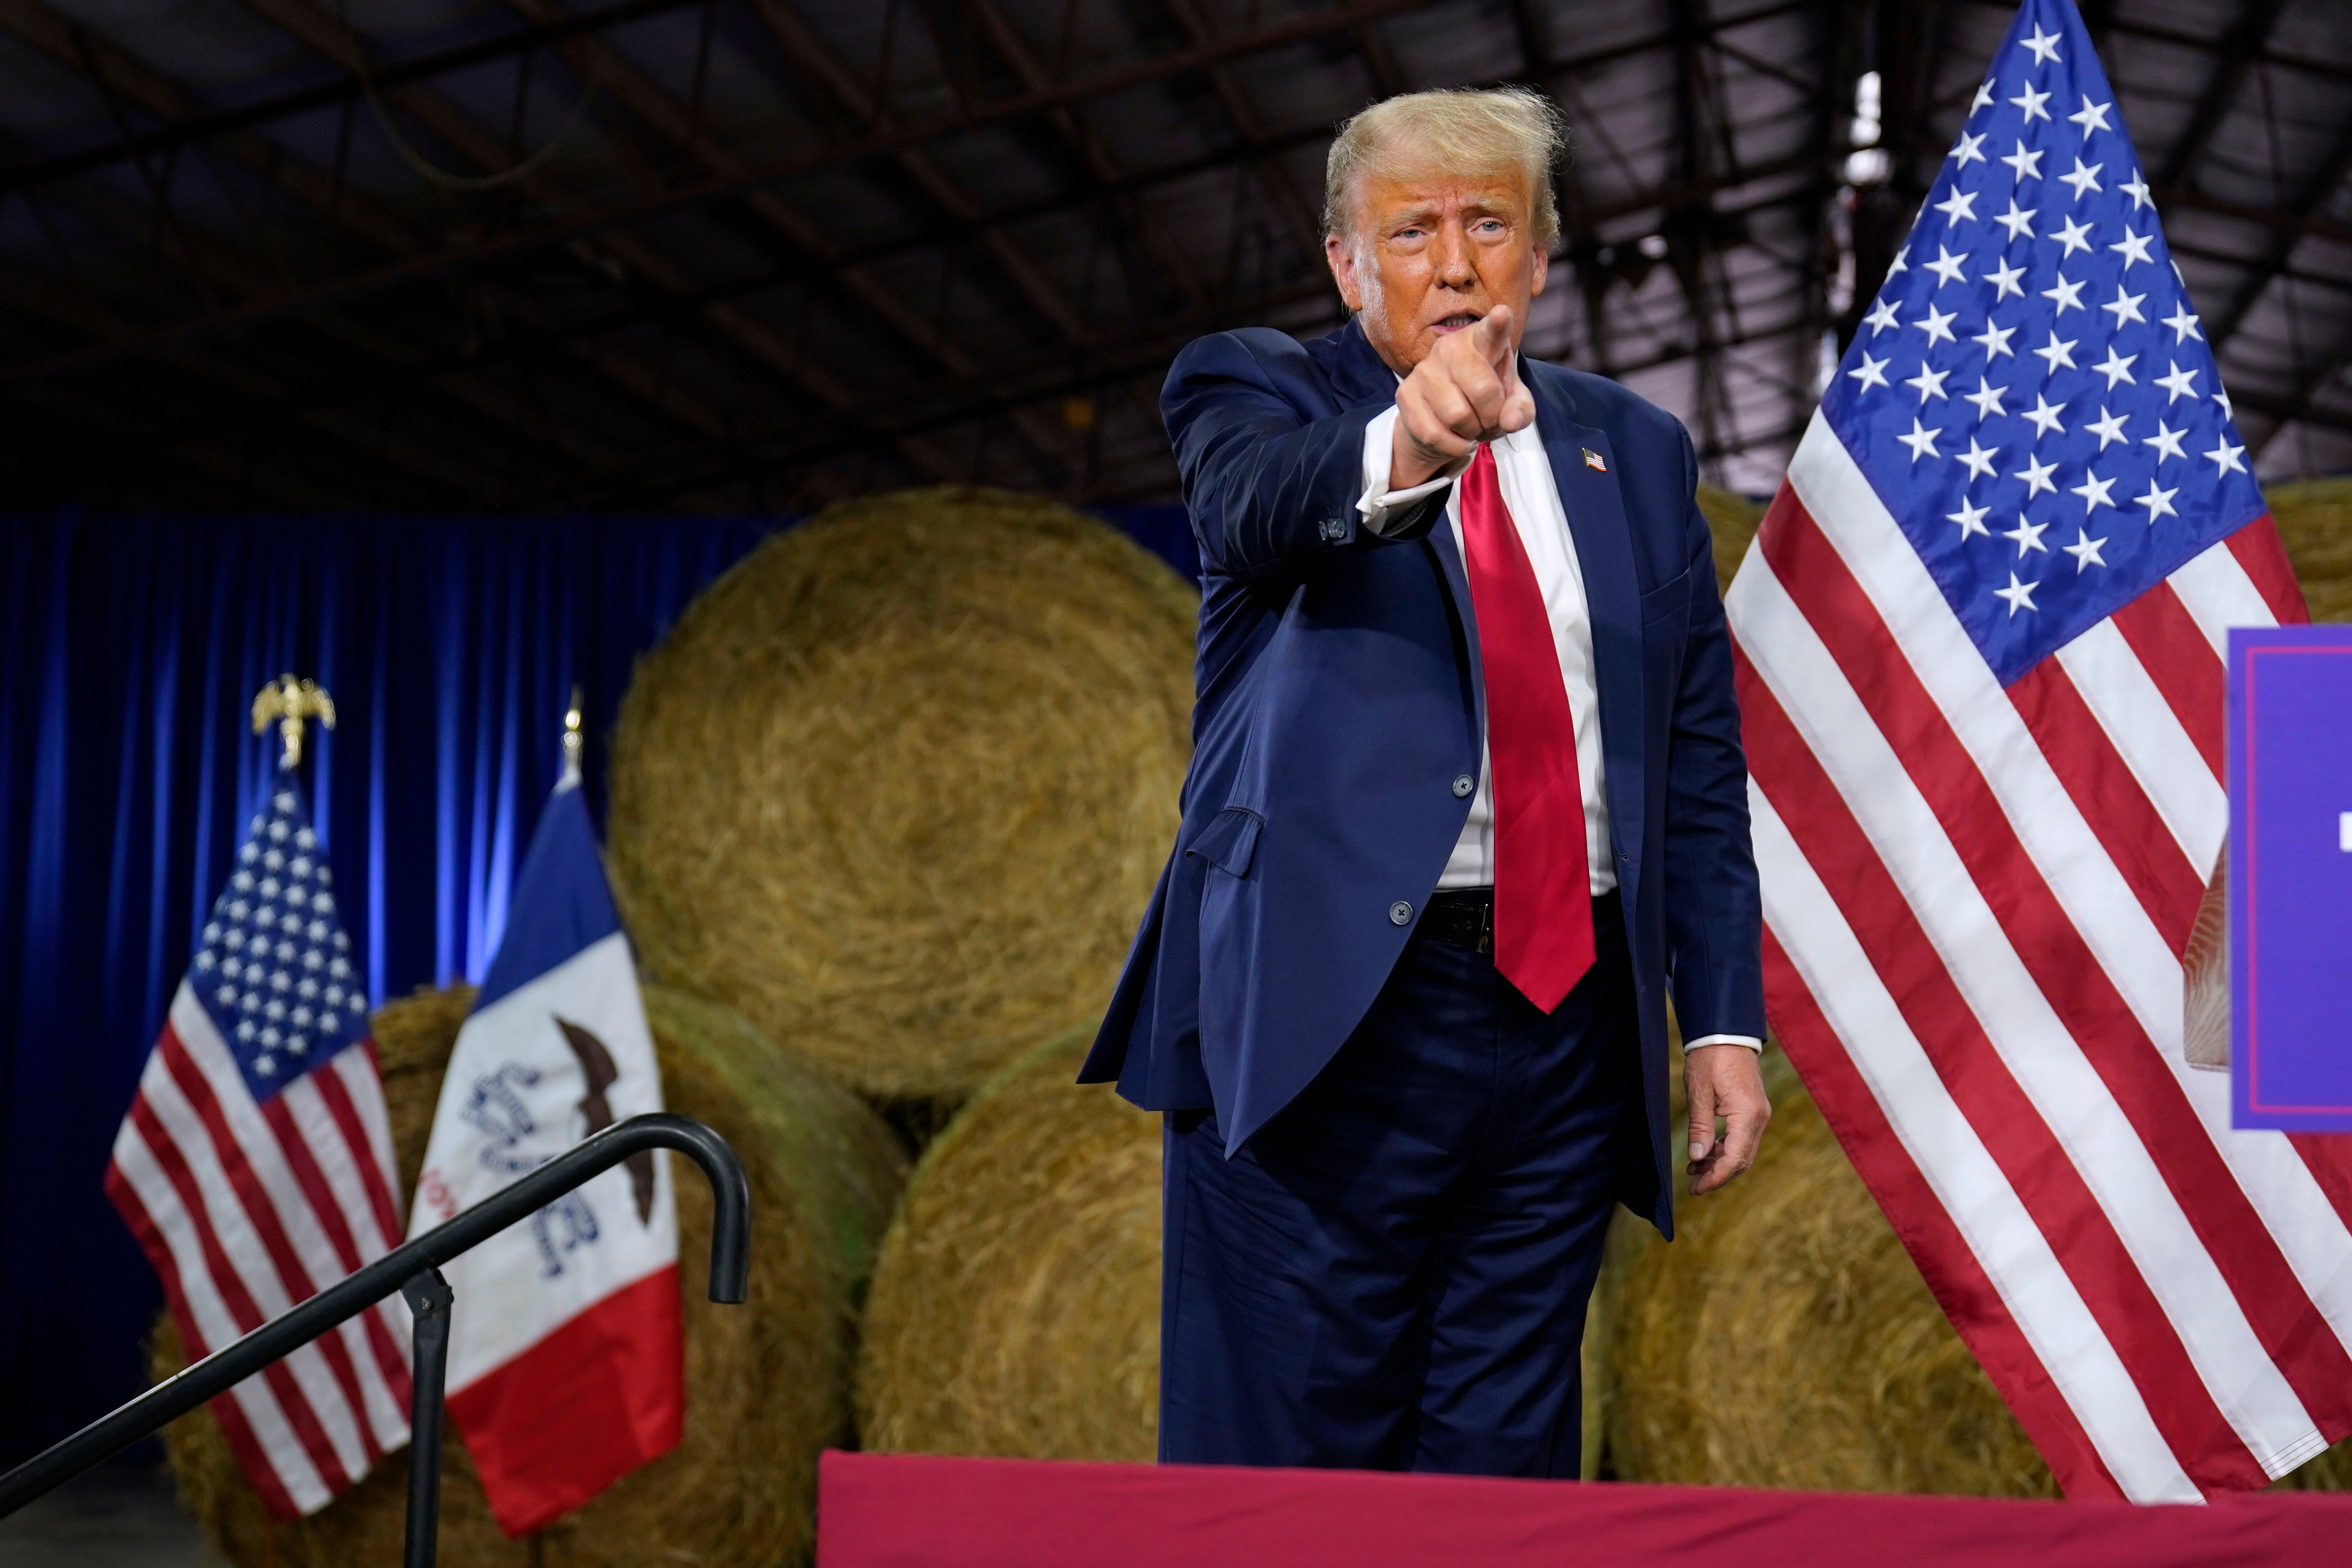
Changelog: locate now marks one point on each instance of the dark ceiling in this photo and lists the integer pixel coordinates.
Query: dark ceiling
(502, 256)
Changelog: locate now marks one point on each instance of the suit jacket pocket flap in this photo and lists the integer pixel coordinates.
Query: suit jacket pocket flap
(1665, 598)
(1229, 841)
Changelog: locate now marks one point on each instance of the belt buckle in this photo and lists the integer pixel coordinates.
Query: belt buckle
(1485, 943)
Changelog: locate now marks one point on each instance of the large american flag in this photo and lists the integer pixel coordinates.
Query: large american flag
(1982, 640)
(254, 1167)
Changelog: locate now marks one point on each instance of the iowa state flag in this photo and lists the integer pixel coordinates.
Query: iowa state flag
(566, 1353)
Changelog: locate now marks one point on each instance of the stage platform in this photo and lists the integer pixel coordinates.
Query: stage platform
(877, 1510)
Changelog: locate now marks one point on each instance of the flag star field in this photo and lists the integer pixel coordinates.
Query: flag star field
(275, 969)
(2031, 393)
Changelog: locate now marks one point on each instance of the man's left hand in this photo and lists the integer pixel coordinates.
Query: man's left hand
(1727, 1081)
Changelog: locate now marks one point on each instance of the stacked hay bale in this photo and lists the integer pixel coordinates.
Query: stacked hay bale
(766, 1381)
(897, 785)
(2315, 520)
(1015, 1307)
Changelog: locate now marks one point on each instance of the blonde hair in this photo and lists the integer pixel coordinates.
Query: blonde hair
(1469, 129)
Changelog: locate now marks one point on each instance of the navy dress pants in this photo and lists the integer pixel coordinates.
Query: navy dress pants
(1392, 1274)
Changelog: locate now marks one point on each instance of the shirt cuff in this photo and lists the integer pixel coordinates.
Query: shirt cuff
(1750, 1041)
(1383, 509)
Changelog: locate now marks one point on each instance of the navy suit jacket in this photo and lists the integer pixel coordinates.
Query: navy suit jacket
(1338, 696)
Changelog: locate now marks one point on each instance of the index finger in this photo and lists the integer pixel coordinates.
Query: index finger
(1494, 334)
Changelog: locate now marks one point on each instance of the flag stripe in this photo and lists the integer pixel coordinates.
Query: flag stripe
(2167, 770)
(2323, 1157)
(309, 1128)
(373, 1354)
(353, 1093)
(2261, 555)
(249, 1415)
(1941, 1144)
(2095, 907)
(242, 1171)
(243, 1317)
(2182, 664)
(2130, 830)
(1928, 1229)
(2218, 595)
(2144, 1134)
(2002, 1117)
(310, 1161)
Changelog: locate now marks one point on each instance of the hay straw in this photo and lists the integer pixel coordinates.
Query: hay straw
(1784, 1339)
(2315, 519)
(1016, 1308)
(1733, 520)
(898, 784)
(766, 1383)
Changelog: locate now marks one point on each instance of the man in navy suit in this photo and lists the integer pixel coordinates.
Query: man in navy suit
(1467, 801)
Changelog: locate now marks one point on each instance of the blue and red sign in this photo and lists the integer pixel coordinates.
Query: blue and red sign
(2290, 878)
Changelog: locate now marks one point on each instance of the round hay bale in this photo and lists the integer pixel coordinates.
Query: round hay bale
(2315, 520)
(1015, 1307)
(1784, 1339)
(767, 1384)
(897, 785)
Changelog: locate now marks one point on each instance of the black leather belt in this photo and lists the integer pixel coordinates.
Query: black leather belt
(1460, 917)
(1464, 916)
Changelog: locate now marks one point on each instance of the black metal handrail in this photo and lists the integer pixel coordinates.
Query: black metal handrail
(413, 1270)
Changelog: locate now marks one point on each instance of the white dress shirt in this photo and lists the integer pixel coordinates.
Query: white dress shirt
(1531, 493)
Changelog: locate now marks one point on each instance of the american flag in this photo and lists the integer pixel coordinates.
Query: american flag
(1982, 640)
(254, 1167)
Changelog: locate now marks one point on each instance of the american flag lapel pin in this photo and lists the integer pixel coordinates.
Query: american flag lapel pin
(1592, 460)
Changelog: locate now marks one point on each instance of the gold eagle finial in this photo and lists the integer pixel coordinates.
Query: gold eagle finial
(292, 703)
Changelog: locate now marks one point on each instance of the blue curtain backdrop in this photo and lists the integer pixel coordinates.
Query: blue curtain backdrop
(131, 648)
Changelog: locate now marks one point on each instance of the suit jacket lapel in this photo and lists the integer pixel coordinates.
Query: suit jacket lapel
(1604, 554)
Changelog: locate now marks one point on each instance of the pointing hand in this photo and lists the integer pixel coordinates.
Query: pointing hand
(1466, 391)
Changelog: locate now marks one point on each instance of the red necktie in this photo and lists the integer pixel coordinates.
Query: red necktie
(1543, 890)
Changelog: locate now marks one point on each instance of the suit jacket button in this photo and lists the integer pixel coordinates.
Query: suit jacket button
(1399, 913)
(1462, 786)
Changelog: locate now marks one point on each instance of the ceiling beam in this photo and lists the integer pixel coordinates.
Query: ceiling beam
(2295, 408)
(595, 61)
(357, 212)
(1090, 161)
(2334, 168)
(1342, 16)
(1305, 221)
(330, 36)
(185, 131)
(2234, 53)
